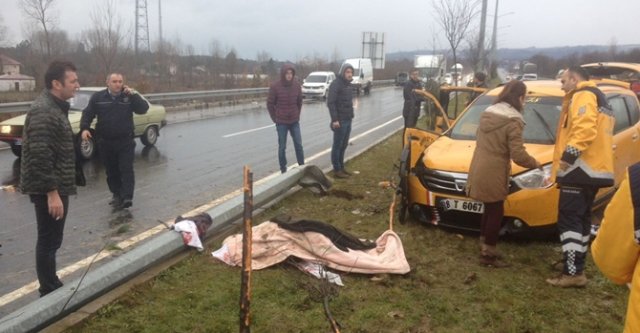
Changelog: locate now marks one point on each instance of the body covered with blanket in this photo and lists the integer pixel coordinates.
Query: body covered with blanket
(317, 242)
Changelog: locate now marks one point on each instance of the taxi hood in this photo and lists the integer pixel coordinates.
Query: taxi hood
(447, 154)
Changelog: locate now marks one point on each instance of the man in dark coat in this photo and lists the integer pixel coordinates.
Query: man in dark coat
(47, 172)
(411, 109)
(340, 103)
(284, 104)
(114, 108)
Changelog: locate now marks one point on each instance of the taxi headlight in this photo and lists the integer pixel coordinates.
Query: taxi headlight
(6, 129)
(534, 178)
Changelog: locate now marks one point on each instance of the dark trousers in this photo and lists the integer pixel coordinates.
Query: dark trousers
(296, 136)
(574, 226)
(49, 241)
(491, 222)
(340, 143)
(117, 158)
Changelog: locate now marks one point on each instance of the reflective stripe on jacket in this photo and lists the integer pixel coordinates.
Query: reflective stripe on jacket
(615, 251)
(584, 140)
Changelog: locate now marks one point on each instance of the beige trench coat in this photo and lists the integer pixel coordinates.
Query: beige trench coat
(499, 140)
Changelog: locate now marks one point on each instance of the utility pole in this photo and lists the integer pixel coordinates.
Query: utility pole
(483, 26)
(494, 44)
(160, 23)
(142, 27)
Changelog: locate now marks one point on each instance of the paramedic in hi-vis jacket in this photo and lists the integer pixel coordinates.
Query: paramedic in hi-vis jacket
(616, 250)
(582, 163)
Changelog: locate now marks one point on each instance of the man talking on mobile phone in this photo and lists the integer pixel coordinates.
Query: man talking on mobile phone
(114, 108)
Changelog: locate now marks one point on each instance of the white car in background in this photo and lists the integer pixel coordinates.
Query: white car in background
(316, 85)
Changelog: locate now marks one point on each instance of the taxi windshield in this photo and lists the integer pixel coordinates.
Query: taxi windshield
(541, 116)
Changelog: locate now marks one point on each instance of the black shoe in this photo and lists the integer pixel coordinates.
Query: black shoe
(126, 203)
(115, 201)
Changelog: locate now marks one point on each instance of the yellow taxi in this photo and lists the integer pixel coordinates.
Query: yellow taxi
(437, 154)
(621, 71)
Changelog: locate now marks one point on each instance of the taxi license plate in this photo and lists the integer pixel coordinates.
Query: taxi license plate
(18, 142)
(461, 205)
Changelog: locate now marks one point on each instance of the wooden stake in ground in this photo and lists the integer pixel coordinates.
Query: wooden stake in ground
(245, 284)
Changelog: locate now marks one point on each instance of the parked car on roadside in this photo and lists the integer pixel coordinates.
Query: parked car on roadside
(437, 154)
(316, 85)
(147, 126)
(622, 71)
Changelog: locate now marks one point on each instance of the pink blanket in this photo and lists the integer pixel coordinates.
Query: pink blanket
(272, 245)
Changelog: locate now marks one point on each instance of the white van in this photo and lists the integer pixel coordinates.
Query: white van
(316, 85)
(362, 74)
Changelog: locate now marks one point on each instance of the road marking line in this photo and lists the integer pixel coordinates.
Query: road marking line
(33, 286)
(247, 131)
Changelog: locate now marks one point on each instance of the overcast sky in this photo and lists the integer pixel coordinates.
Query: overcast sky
(294, 29)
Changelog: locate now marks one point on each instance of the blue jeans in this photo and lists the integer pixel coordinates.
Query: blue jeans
(340, 143)
(296, 136)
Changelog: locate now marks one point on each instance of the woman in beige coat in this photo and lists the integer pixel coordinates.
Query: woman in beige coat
(499, 141)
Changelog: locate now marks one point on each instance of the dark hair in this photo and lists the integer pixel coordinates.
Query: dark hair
(580, 71)
(480, 76)
(57, 71)
(414, 69)
(511, 94)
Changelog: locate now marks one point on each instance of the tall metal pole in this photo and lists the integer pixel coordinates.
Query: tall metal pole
(494, 43)
(483, 27)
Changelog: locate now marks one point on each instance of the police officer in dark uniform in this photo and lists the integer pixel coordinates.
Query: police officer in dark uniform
(114, 108)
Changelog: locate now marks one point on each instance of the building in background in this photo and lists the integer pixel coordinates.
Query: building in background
(10, 77)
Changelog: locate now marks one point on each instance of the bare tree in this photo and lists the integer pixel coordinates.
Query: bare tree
(42, 12)
(105, 40)
(455, 17)
(474, 54)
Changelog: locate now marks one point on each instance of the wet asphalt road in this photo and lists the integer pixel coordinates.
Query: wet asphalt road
(193, 163)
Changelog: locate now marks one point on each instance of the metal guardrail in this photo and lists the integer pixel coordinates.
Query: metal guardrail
(14, 107)
(21, 107)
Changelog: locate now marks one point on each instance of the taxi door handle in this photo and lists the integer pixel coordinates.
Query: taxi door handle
(614, 147)
(634, 136)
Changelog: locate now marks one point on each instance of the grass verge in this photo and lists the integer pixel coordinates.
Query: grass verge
(446, 291)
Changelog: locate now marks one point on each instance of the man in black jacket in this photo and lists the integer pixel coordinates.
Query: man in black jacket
(340, 103)
(114, 108)
(411, 109)
(47, 172)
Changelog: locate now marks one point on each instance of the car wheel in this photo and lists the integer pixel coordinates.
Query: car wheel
(403, 186)
(86, 148)
(16, 150)
(150, 136)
